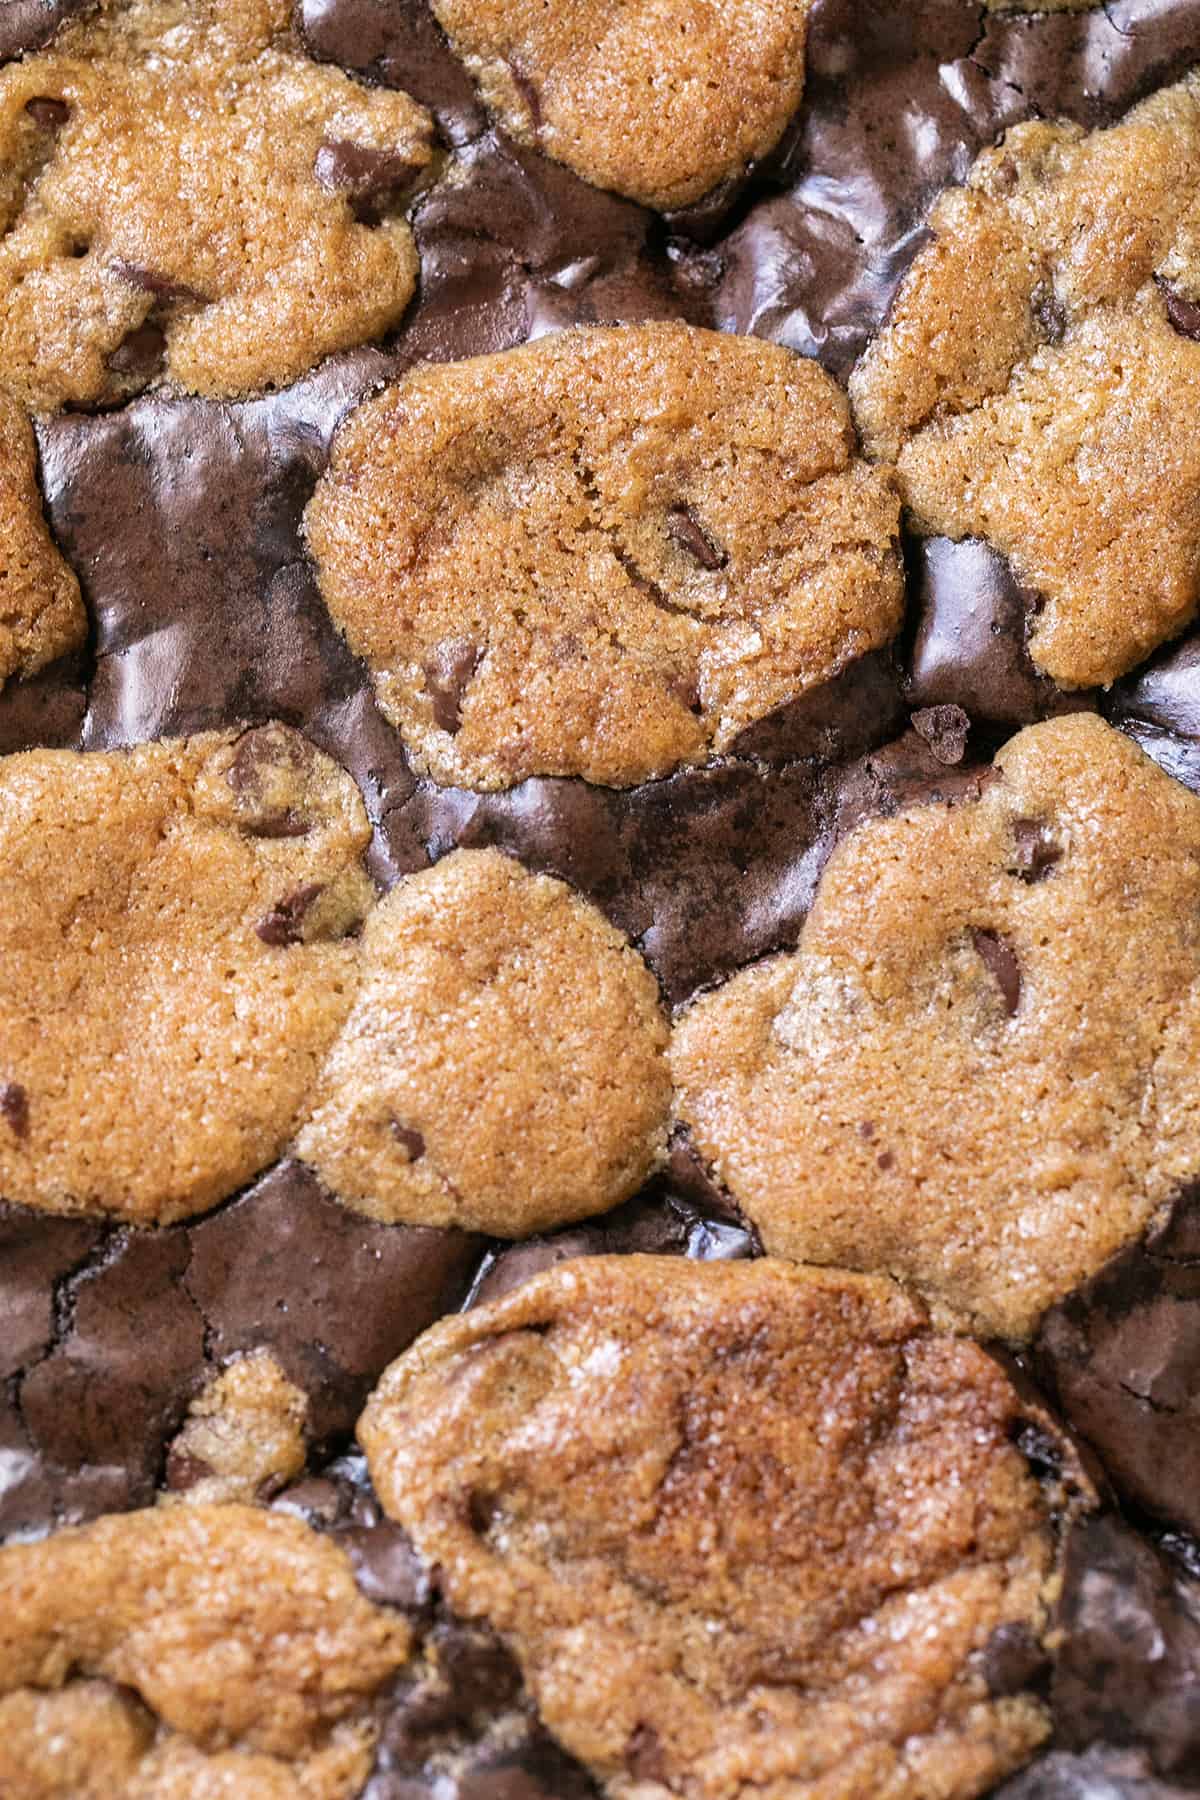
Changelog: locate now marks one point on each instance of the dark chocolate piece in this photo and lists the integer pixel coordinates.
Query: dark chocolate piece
(14, 1108)
(1127, 1672)
(30, 24)
(685, 529)
(1183, 313)
(1036, 851)
(903, 773)
(969, 647)
(284, 924)
(449, 673)
(359, 170)
(50, 115)
(1000, 960)
(1122, 1355)
(945, 729)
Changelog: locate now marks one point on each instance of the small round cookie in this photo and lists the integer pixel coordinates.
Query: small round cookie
(978, 1071)
(41, 612)
(660, 100)
(747, 1528)
(183, 193)
(504, 1067)
(170, 975)
(1038, 380)
(197, 1650)
(604, 554)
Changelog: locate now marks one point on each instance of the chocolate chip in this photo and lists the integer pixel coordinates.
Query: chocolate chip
(387, 1567)
(343, 167)
(184, 1470)
(1012, 1659)
(1183, 314)
(411, 1139)
(685, 529)
(282, 925)
(1049, 312)
(1002, 965)
(140, 355)
(644, 1755)
(1036, 850)
(50, 115)
(527, 91)
(449, 672)
(163, 287)
(14, 1108)
(945, 729)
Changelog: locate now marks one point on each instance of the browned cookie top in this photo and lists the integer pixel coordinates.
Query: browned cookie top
(182, 192)
(504, 1067)
(41, 613)
(1038, 382)
(747, 1528)
(171, 970)
(659, 99)
(194, 1651)
(979, 1069)
(604, 554)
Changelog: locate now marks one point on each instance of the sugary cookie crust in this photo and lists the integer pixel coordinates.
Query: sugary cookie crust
(196, 1651)
(977, 1070)
(41, 613)
(604, 554)
(504, 1067)
(172, 964)
(747, 1528)
(660, 99)
(1038, 381)
(183, 194)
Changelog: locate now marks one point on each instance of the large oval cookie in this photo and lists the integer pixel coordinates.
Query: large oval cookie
(171, 973)
(660, 99)
(181, 192)
(747, 1528)
(604, 554)
(978, 1071)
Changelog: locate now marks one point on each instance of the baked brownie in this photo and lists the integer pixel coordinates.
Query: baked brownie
(600, 803)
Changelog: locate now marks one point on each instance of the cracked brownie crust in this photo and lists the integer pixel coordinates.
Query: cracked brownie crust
(212, 1368)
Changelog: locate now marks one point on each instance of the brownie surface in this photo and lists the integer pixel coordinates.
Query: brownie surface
(181, 518)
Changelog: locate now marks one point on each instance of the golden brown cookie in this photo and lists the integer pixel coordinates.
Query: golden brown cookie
(41, 613)
(243, 1436)
(978, 1072)
(209, 1650)
(504, 1067)
(604, 554)
(661, 100)
(747, 1528)
(170, 970)
(1038, 381)
(182, 192)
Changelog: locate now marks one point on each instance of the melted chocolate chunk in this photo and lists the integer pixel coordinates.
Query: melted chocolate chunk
(1013, 1659)
(1159, 706)
(1183, 313)
(1127, 1672)
(412, 1140)
(449, 673)
(14, 1108)
(163, 287)
(284, 924)
(969, 647)
(1002, 965)
(50, 115)
(903, 773)
(1036, 851)
(141, 354)
(1122, 1356)
(357, 169)
(685, 529)
(399, 45)
(1050, 315)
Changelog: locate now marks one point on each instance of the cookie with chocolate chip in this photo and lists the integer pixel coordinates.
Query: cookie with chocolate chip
(182, 194)
(606, 554)
(659, 102)
(504, 1066)
(742, 1525)
(977, 1071)
(207, 1649)
(173, 964)
(41, 613)
(1038, 381)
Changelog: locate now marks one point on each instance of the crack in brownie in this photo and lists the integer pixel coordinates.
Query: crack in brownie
(609, 678)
